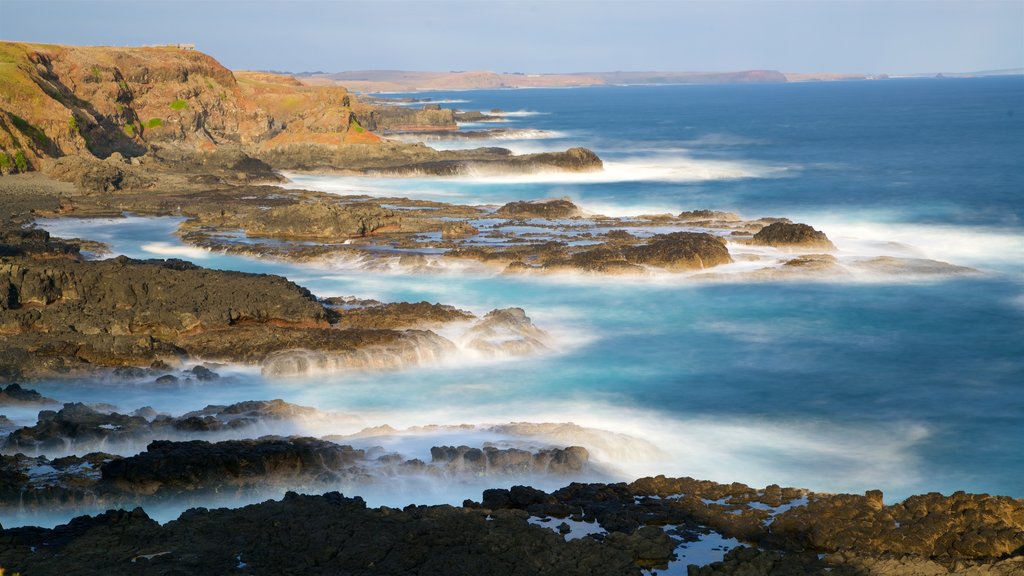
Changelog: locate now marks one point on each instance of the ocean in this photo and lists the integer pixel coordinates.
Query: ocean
(842, 384)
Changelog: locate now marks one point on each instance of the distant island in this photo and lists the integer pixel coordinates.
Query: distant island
(369, 81)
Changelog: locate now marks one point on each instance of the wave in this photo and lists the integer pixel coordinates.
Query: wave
(168, 249)
(998, 248)
(669, 169)
(515, 113)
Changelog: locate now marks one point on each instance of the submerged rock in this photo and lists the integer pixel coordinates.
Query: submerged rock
(506, 332)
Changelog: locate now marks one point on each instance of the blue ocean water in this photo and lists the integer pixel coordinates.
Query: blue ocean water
(908, 386)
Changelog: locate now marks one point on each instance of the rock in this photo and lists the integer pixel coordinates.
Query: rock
(313, 535)
(169, 468)
(322, 220)
(507, 331)
(680, 251)
(457, 229)
(509, 461)
(203, 374)
(14, 394)
(549, 209)
(708, 216)
(401, 315)
(790, 235)
(75, 425)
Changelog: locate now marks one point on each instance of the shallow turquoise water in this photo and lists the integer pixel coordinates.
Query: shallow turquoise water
(908, 386)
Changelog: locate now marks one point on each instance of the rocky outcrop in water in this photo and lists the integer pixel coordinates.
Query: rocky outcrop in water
(789, 235)
(680, 251)
(170, 468)
(15, 395)
(506, 332)
(78, 427)
(549, 209)
(509, 462)
(322, 221)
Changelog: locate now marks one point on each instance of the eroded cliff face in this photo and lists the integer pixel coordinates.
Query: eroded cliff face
(67, 100)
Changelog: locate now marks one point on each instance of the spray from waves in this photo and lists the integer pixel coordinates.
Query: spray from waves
(652, 169)
(168, 249)
(998, 248)
(676, 168)
(629, 443)
(501, 134)
(515, 113)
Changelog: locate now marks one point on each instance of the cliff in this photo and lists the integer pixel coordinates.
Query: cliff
(69, 100)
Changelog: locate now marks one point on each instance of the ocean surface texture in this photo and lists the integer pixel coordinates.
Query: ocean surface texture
(848, 383)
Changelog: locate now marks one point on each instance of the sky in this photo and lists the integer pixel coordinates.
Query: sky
(846, 36)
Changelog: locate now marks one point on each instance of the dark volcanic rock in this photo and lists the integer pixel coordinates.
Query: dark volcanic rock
(322, 220)
(76, 426)
(167, 468)
(15, 394)
(73, 424)
(789, 235)
(787, 531)
(510, 461)
(550, 209)
(681, 251)
(311, 535)
(76, 315)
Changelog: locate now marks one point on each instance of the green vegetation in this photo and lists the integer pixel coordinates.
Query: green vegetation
(95, 73)
(209, 85)
(38, 137)
(129, 129)
(154, 123)
(5, 163)
(179, 104)
(123, 85)
(20, 162)
(354, 124)
(73, 126)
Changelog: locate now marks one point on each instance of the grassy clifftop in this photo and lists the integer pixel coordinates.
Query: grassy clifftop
(64, 100)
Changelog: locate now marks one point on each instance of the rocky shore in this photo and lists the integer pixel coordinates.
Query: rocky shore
(164, 132)
(643, 527)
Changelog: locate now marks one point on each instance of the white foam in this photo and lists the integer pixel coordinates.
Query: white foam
(177, 250)
(516, 113)
(963, 245)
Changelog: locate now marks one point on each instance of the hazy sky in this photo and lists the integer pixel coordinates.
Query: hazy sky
(549, 36)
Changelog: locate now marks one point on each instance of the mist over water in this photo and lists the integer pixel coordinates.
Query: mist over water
(848, 383)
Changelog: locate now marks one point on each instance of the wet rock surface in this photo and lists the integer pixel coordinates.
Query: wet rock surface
(786, 234)
(77, 427)
(550, 209)
(15, 395)
(645, 525)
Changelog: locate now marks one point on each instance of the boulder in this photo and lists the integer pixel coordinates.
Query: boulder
(792, 235)
(680, 251)
(549, 209)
